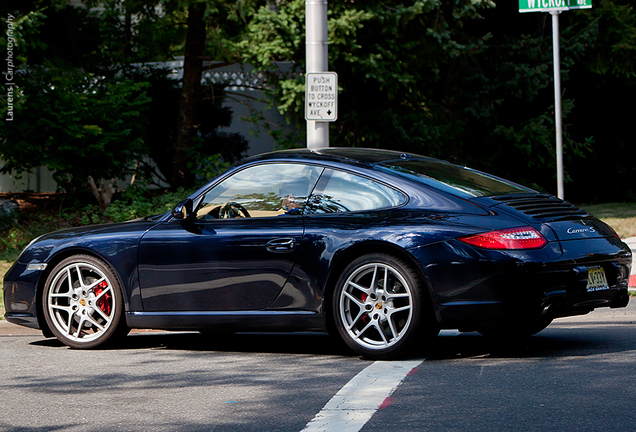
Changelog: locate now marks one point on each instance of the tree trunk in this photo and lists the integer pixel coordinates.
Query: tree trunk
(190, 93)
(103, 193)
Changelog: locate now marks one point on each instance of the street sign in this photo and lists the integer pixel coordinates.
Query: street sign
(321, 96)
(553, 5)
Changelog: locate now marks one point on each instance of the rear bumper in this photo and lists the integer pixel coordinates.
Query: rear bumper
(571, 296)
(472, 287)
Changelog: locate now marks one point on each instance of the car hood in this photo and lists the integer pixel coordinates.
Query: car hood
(102, 240)
(91, 229)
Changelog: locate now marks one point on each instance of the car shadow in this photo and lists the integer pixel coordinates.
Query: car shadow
(270, 343)
(548, 344)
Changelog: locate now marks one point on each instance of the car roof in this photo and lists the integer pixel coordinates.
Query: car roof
(382, 161)
(349, 155)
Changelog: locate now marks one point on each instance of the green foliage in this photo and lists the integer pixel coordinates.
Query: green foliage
(207, 167)
(76, 123)
(8, 213)
(397, 64)
(464, 81)
(210, 151)
(136, 203)
(88, 109)
(138, 30)
(23, 31)
(277, 34)
(461, 80)
(15, 238)
(612, 27)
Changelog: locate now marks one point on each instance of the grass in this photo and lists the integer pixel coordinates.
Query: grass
(620, 216)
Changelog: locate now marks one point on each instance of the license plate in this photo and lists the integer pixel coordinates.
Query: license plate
(596, 280)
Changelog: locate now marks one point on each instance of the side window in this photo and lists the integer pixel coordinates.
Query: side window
(266, 190)
(346, 192)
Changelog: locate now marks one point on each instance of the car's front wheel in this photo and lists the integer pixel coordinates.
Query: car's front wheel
(83, 303)
(379, 308)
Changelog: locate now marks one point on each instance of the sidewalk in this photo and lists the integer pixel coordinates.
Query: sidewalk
(8, 329)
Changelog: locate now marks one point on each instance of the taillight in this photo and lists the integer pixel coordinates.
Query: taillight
(613, 231)
(511, 238)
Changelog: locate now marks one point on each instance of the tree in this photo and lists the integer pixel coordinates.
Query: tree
(209, 151)
(84, 127)
(201, 31)
(98, 78)
(396, 62)
(191, 89)
(468, 81)
(211, 24)
(83, 124)
(601, 80)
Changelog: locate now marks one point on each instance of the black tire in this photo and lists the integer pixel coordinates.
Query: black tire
(84, 312)
(381, 323)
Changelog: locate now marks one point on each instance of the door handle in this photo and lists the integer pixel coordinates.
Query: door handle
(281, 245)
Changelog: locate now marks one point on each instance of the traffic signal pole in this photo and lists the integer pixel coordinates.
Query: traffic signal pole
(316, 58)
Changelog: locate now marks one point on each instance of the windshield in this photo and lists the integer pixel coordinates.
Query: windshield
(452, 178)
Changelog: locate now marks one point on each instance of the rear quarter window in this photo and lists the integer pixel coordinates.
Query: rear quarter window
(339, 191)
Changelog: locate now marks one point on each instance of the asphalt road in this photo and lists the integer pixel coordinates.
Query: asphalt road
(579, 374)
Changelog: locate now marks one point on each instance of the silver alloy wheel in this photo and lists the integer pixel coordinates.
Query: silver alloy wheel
(376, 306)
(81, 303)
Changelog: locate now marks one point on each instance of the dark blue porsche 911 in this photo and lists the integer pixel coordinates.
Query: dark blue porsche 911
(380, 248)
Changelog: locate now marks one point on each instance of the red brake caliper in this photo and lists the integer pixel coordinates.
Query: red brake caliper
(365, 318)
(104, 302)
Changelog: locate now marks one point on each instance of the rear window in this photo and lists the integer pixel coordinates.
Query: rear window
(452, 178)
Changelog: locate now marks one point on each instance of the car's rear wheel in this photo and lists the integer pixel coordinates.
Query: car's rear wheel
(379, 308)
(83, 303)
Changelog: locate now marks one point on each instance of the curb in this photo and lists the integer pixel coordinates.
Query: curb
(631, 242)
(8, 329)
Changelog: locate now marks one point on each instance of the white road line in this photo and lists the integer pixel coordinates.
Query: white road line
(449, 333)
(361, 397)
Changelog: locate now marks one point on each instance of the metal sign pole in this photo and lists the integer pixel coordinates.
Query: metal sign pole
(316, 57)
(557, 102)
(555, 7)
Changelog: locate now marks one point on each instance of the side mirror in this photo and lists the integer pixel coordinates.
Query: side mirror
(183, 210)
